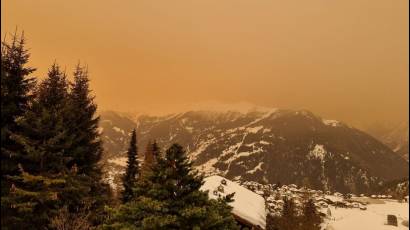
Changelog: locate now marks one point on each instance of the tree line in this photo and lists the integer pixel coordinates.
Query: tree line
(292, 217)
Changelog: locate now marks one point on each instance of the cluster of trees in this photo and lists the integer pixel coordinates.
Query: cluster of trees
(164, 193)
(50, 153)
(50, 144)
(308, 218)
(51, 174)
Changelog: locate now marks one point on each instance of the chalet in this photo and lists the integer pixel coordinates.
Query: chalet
(248, 208)
(293, 186)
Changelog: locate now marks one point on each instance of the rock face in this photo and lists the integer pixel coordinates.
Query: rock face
(266, 146)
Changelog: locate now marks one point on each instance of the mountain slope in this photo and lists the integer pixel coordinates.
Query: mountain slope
(271, 146)
(396, 136)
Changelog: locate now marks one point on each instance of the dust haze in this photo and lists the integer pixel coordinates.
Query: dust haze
(345, 60)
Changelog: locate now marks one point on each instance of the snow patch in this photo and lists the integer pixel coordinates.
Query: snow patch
(116, 129)
(189, 128)
(121, 161)
(266, 115)
(100, 130)
(254, 129)
(332, 123)
(258, 167)
(266, 130)
(318, 152)
(264, 142)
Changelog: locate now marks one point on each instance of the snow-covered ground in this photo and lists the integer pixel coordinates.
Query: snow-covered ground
(374, 218)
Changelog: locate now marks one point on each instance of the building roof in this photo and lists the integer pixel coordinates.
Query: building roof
(247, 205)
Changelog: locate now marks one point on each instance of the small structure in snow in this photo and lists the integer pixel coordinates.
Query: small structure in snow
(248, 207)
(392, 220)
(221, 188)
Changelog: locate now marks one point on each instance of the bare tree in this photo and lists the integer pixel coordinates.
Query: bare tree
(65, 220)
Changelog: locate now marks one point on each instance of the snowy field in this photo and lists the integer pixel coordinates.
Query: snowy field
(374, 218)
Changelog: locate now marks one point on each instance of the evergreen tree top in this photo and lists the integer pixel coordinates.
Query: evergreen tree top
(53, 90)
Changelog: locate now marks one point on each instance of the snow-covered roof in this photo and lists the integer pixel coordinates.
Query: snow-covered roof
(334, 198)
(246, 205)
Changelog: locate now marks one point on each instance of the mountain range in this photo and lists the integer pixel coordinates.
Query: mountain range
(262, 145)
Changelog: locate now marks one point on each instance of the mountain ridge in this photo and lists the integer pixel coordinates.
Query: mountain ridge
(275, 145)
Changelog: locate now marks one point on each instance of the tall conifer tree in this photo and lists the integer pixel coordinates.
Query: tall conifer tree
(289, 219)
(131, 172)
(16, 94)
(311, 219)
(151, 156)
(38, 190)
(85, 150)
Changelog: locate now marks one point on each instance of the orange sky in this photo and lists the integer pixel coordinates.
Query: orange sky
(342, 59)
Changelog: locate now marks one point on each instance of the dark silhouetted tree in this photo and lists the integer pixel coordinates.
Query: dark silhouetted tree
(311, 219)
(172, 200)
(86, 149)
(38, 189)
(16, 94)
(131, 171)
(151, 155)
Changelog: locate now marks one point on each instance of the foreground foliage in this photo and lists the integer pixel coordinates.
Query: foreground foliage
(50, 144)
(169, 198)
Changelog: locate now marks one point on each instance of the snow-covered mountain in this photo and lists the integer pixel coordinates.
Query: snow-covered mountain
(396, 136)
(263, 145)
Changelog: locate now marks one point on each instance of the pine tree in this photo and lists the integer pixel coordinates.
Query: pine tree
(39, 187)
(289, 219)
(45, 131)
(86, 149)
(311, 219)
(151, 155)
(131, 172)
(33, 199)
(16, 94)
(172, 200)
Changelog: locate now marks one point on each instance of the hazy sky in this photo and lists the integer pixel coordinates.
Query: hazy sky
(342, 59)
